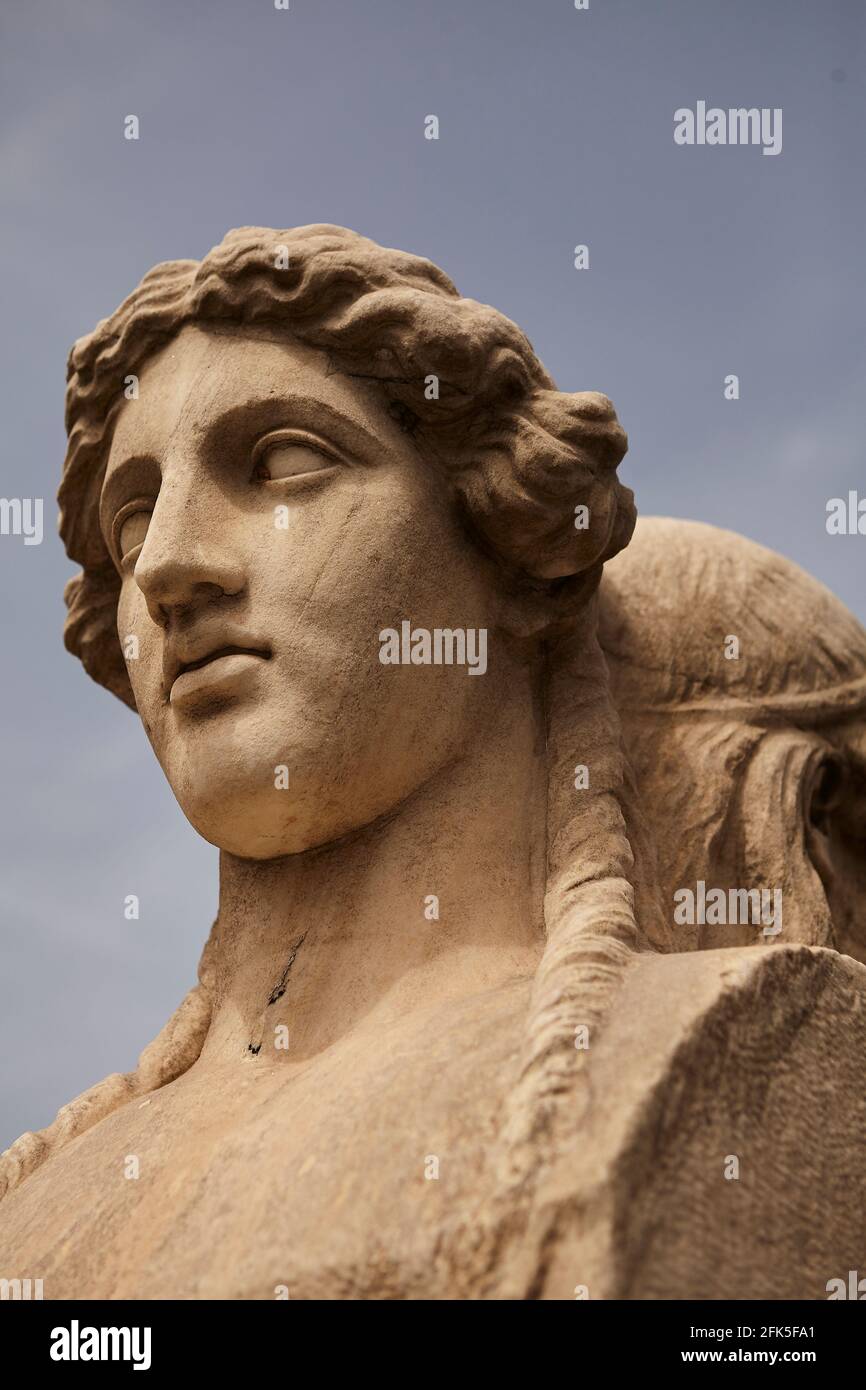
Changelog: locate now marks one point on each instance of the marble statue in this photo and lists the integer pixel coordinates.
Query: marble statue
(341, 544)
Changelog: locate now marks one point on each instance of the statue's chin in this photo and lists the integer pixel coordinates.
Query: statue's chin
(237, 841)
(267, 825)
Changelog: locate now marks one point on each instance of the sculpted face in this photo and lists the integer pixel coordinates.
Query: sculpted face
(269, 520)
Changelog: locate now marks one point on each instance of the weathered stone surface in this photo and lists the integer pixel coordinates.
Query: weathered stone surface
(341, 542)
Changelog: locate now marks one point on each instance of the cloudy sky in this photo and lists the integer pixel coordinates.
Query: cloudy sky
(556, 128)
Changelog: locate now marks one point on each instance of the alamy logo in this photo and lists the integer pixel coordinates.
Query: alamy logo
(20, 1289)
(847, 516)
(443, 646)
(76, 1343)
(716, 908)
(736, 126)
(22, 516)
(856, 1288)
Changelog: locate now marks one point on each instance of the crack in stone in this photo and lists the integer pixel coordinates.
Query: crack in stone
(279, 989)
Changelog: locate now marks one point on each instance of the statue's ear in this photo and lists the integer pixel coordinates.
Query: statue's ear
(834, 807)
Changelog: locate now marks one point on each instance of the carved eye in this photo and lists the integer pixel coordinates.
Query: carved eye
(289, 458)
(131, 531)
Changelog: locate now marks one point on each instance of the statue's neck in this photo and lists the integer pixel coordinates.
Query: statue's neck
(440, 899)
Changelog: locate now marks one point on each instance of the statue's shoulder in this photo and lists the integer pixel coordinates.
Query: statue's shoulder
(723, 1143)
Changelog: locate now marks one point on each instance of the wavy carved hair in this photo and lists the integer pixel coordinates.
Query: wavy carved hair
(750, 736)
(520, 456)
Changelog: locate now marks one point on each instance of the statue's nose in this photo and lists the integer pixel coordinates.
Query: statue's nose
(186, 558)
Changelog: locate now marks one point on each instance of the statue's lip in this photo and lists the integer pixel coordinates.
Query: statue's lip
(180, 660)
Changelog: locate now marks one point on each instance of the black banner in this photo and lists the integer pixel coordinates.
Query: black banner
(155, 1337)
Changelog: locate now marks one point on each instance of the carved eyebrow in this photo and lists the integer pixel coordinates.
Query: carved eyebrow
(137, 472)
(244, 421)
